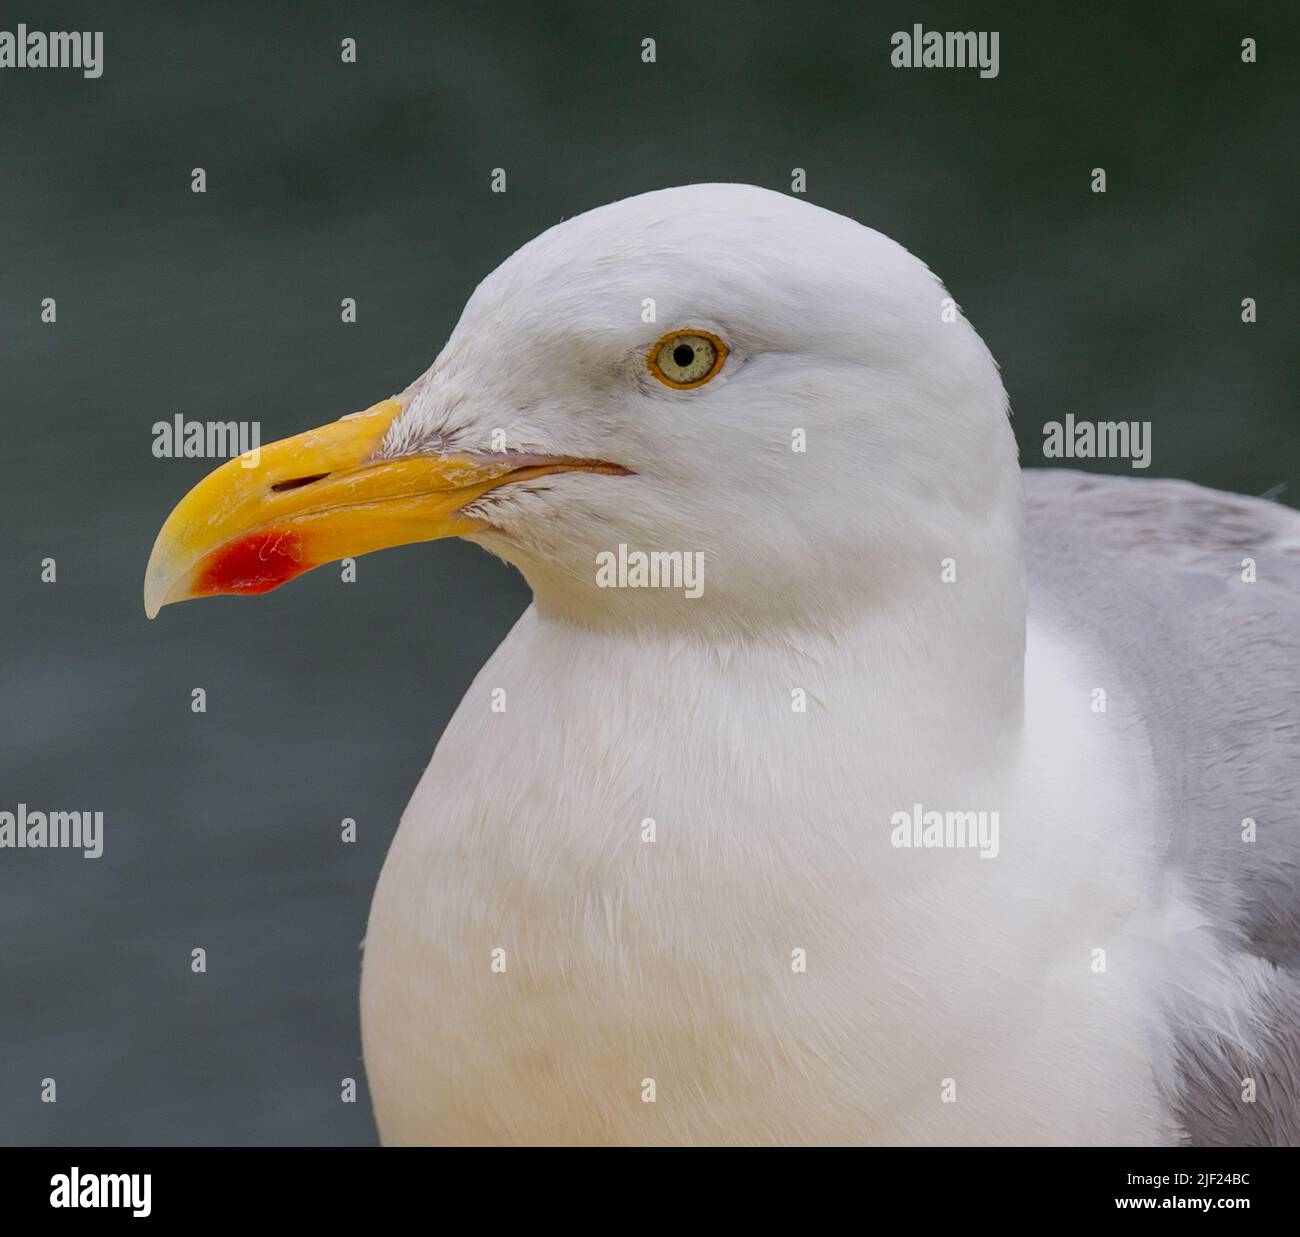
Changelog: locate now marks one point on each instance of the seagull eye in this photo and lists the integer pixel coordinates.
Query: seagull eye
(686, 359)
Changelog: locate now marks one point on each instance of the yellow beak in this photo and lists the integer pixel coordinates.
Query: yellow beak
(266, 517)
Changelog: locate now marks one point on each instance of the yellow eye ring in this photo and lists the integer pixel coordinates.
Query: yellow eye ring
(684, 360)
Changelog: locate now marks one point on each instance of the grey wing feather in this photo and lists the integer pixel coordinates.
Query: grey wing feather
(1150, 574)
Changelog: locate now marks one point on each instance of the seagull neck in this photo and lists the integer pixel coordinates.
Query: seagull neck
(953, 670)
(946, 662)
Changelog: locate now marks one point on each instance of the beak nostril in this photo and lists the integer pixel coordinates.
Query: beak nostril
(281, 486)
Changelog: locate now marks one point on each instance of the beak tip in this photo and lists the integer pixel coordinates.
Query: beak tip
(155, 590)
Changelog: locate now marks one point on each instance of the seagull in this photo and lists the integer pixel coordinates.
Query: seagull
(953, 805)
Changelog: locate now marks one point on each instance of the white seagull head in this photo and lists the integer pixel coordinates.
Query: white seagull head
(715, 370)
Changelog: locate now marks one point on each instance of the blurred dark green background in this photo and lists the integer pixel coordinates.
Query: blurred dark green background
(371, 181)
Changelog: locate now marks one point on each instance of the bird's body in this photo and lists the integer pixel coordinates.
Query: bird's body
(671, 959)
(920, 821)
(627, 960)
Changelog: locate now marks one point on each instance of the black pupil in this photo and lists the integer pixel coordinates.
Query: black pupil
(683, 355)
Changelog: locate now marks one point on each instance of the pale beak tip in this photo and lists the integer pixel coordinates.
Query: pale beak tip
(156, 588)
(151, 602)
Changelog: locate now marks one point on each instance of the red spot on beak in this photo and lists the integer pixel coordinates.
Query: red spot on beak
(253, 564)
